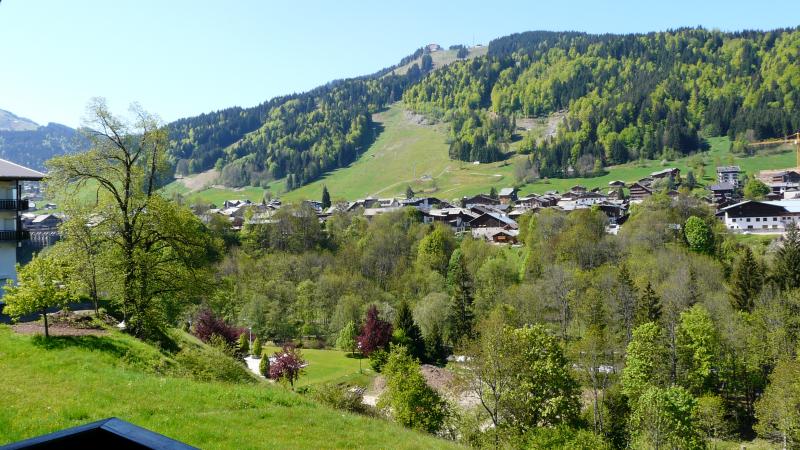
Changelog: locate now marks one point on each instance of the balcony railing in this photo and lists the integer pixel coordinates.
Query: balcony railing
(7, 204)
(14, 235)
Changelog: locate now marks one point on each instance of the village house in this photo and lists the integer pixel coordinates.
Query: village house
(722, 191)
(666, 173)
(760, 216)
(729, 174)
(779, 181)
(480, 199)
(639, 192)
(507, 195)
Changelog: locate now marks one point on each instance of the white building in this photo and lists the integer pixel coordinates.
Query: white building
(11, 205)
(729, 174)
(760, 217)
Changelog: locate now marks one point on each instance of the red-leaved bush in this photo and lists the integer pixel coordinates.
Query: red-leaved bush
(288, 364)
(206, 324)
(375, 334)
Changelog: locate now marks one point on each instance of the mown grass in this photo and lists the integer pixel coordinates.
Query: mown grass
(47, 387)
(331, 366)
(407, 153)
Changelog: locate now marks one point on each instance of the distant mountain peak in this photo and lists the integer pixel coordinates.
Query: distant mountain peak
(11, 122)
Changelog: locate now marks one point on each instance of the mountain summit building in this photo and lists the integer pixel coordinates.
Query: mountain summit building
(11, 204)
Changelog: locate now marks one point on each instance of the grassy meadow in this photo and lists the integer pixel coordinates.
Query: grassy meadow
(48, 386)
(331, 366)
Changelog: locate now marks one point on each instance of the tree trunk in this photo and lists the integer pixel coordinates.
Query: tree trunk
(46, 330)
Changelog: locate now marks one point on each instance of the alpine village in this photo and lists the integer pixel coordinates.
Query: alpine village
(549, 240)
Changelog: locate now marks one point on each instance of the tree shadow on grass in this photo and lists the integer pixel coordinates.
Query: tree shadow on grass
(89, 342)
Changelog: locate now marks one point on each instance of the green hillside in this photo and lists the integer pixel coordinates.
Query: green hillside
(76, 380)
(408, 153)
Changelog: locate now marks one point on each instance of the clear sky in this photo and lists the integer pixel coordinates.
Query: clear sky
(185, 57)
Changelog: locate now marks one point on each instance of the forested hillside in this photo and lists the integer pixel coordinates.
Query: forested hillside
(299, 137)
(628, 97)
(32, 147)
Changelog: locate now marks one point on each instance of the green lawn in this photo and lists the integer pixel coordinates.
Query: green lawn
(409, 154)
(325, 366)
(86, 379)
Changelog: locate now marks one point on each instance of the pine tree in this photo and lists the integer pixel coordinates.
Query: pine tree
(691, 182)
(407, 331)
(626, 294)
(649, 308)
(787, 261)
(461, 316)
(693, 294)
(409, 193)
(746, 281)
(326, 198)
(493, 193)
(435, 351)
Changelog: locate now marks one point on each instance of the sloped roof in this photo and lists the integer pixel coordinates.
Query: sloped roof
(13, 171)
(106, 433)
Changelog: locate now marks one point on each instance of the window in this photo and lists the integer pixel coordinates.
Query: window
(749, 227)
(748, 219)
(758, 219)
(774, 219)
(764, 226)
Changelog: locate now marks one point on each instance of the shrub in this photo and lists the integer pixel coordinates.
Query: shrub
(342, 397)
(256, 350)
(244, 345)
(211, 364)
(288, 365)
(377, 359)
(207, 324)
(263, 365)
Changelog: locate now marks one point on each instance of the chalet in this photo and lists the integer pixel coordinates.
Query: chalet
(729, 174)
(505, 237)
(639, 192)
(666, 173)
(480, 199)
(616, 184)
(615, 211)
(456, 218)
(422, 202)
(780, 181)
(507, 195)
(538, 201)
(760, 217)
(42, 222)
(577, 188)
(236, 203)
(722, 190)
(581, 199)
(492, 220)
(369, 213)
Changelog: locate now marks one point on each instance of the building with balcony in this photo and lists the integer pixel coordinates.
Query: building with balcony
(11, 205)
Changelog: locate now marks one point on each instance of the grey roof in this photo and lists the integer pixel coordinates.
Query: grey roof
(13, 171)
(729, 169)
(721, 187)
(507, 191)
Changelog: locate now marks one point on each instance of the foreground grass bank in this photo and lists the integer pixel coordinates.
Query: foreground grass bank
(68, 382)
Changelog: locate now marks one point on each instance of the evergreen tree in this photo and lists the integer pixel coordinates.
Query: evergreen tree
(746, 281)
(326, 198)
(691, 182)
(435, 351)
(626, 294)
(649, 308)
(409, 193)
(407, 333)
(461, 316)
(493, 193)
(787, 261)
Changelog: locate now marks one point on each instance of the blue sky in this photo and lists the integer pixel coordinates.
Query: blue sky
(180, 57)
